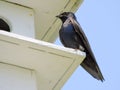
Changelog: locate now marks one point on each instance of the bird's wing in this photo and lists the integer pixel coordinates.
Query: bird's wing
(90, 63)
(82, 35)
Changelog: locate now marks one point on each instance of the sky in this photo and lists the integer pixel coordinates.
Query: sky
(100, 20)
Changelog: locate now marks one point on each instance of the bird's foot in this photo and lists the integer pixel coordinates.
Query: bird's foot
(77, 51)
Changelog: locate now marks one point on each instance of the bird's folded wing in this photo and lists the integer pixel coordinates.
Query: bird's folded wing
(82, 35)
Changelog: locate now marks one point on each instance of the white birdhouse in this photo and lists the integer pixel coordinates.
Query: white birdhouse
(26, 62)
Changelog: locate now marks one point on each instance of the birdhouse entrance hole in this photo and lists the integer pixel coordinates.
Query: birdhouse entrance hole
(4, 26)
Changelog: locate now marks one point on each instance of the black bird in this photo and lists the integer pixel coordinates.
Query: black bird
(72, 36)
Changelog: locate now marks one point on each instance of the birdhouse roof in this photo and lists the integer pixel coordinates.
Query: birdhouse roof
(53, 64)
(46, 24)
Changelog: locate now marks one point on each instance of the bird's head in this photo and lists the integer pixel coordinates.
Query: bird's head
(63, 16)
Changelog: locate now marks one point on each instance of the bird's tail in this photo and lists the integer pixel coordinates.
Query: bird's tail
(91, 66)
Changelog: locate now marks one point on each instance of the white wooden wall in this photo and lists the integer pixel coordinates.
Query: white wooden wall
(16, 78)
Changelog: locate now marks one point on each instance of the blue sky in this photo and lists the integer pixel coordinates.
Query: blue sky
(100, 20)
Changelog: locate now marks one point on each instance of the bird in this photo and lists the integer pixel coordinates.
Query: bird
(72, 36)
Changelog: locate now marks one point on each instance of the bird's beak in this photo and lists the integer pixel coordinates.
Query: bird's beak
(58, 16)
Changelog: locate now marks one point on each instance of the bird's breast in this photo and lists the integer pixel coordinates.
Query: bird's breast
(67, 36)
(68, 31)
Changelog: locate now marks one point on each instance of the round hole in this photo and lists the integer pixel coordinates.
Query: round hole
(4, 26)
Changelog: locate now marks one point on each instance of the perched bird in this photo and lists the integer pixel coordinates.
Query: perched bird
(72, 36)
